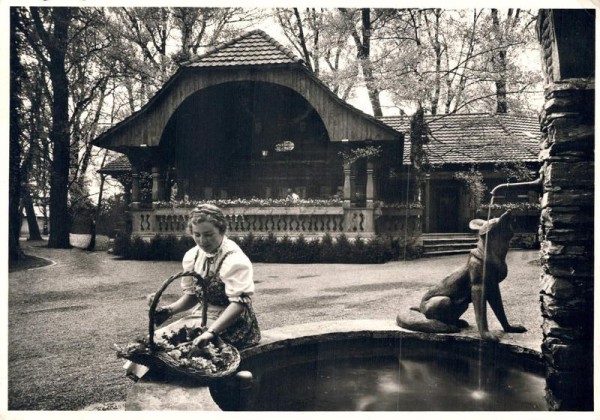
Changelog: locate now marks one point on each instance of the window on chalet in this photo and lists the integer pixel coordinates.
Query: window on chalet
(285, 146)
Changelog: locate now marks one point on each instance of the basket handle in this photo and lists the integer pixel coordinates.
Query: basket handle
(160, 291)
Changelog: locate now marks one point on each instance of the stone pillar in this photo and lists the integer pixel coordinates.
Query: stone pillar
(135, 189)
(567, 218)
(347, 184)
(370, 190)
(157, 184)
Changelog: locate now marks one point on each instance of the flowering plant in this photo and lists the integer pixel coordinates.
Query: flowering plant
(353, 155)
(251, 202)
(411, 205)
(178, 345)
(512, 206)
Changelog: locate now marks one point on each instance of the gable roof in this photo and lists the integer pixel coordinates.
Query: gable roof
(251, 49)
(119, 165)
(254, 49)
(475, 138)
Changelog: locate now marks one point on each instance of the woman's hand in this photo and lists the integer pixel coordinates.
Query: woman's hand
(161, 315)
(150, 298)
(203, 339)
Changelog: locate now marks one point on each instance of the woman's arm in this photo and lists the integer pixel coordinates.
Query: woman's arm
(184, 303)
(163, 313)
(227, 317)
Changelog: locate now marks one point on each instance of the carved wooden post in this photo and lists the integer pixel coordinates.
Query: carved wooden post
(370, 190)
(353, 189)
(135, 189)
(347, 184)
(157, 190)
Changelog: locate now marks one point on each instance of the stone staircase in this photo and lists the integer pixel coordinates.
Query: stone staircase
(435, 244)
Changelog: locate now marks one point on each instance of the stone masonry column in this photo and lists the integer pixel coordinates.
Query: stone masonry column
(567, 218)
(157, 184)
(347, 185)
(370, 189)
(135, 189)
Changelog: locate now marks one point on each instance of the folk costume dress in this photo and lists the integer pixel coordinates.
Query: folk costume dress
(230, 276)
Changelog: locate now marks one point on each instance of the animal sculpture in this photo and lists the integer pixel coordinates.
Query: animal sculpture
(443, 304)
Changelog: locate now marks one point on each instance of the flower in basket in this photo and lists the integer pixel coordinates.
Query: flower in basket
(140, 346)
(177, 346)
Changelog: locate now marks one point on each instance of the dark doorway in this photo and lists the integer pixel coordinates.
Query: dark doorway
(445, 208)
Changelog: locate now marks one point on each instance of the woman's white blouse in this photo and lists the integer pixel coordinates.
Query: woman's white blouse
(236, 271)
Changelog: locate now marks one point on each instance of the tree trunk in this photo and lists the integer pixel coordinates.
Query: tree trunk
(14, 221)
(501, 104)
(59, 134)
(499, 63)
(418, 157)
(34, 228)
(365, 60)
(438, 64)
(59, 177)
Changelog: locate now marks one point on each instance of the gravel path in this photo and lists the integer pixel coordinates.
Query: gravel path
(64, 318)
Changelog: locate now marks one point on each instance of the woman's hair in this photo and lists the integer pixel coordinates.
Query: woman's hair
(208, 213)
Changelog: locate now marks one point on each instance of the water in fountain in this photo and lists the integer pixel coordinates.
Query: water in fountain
(479, 393)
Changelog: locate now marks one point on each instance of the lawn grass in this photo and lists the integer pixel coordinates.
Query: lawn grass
(65, 318)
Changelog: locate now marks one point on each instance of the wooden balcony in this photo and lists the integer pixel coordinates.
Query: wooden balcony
(310, 222)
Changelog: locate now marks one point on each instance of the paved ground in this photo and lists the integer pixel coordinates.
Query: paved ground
(64, 318)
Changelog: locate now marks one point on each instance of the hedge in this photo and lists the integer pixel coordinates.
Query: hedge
(271, 250)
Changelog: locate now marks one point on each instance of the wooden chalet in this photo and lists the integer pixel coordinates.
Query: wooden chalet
(248, 121)
(456, 143)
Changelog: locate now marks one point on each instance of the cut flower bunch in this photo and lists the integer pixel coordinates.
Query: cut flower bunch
(178, 347)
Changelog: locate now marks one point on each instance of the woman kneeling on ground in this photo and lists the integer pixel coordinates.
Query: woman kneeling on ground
(230, 286)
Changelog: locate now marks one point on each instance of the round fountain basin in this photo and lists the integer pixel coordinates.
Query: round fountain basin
(364, 365)
(392, 371)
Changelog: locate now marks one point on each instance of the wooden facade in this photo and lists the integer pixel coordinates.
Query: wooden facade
(459, 143)
(218, 130)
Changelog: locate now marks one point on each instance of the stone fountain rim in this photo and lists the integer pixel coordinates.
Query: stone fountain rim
(144, 394)
(323, 331)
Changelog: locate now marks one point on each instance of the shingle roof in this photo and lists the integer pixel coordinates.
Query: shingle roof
(117, 166)
(475, 138)
(251, 49)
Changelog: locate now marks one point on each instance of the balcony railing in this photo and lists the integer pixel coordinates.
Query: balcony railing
(310, 222)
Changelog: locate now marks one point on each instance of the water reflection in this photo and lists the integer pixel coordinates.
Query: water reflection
(443, 383)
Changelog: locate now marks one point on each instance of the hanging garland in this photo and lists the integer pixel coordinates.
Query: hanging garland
(351, 156)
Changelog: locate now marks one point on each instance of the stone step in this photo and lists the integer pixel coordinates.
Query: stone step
(444, 241)
(447, 234)
(435, 244)
(446, 252)
(448, 247)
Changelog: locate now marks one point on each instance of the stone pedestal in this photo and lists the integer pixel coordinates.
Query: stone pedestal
(567, 220)
(567, 242)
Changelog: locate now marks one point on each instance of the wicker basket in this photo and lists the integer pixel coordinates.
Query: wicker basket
(154, 357)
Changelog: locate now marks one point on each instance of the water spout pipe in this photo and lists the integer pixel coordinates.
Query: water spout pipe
(509, 185)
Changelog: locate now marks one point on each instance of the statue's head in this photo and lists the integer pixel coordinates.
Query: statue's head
(500, 227)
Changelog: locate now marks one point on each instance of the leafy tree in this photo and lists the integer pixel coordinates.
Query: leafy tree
(361, 24)
(473, 180)
(67, 44)
(49, 38)
(146, 35)
(505, 35)
(320, 37)
(418, 155)
(16, 73)
(34, 147)
(457, 60)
